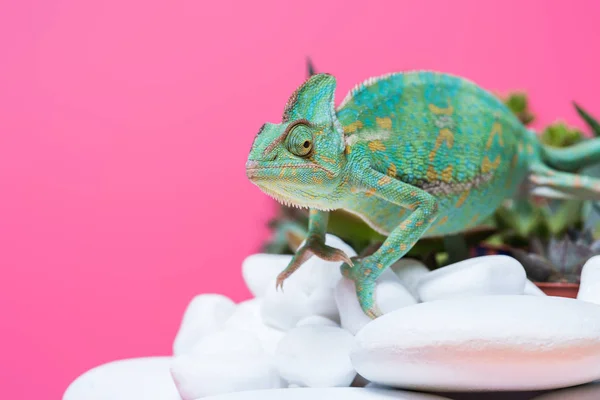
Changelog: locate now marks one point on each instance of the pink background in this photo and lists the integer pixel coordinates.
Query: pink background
(125, 126)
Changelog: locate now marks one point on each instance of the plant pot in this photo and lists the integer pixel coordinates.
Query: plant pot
(559, 289)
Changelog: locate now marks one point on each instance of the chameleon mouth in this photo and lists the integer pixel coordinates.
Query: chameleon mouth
(254, 170)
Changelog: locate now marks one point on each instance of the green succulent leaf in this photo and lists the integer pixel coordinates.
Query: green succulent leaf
(518, 103)
(560, 134)
(589, 120)
(310, 68)
(566, 214)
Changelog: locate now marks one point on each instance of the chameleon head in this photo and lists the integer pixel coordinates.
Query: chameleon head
(300, 161)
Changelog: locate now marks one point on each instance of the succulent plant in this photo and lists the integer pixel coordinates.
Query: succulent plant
(558, 259)
(559, 134)
(518, 103)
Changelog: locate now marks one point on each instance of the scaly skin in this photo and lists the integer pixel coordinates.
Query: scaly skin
(413, 154)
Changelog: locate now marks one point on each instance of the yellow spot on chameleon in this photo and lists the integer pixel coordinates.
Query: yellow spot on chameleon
(348, 149)
(462, 199)
(316, 180)
(353, 127)
(384, 180)
(496, 130)
(529, 149)
(473, 220)
(419, 223)
(402, 212)
(441, 111)
(370, 192)
(282, 172)
(384, 123)
(445, 135)
(431, 174)
(402, 247)
(367, 272)
(354, 189)
(487, 165)
(391, 171)
(380, 266)
(443, 221)
(328, 160)
(447, 174)
(515, 160)
(376, 145)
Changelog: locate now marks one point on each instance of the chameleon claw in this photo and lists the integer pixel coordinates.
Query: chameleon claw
(279, 282)
(339, 255)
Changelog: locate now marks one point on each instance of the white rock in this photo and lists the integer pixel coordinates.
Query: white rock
(323, 273)
(283, 308)
(532, 290)
(483, 343)
(327, 394)
(322, 302)
(200, 376)
(317, 320)
(259, 270)
(205, 314)
(390, 295)
(222, 362)
(316, 356)
(589, 289)
(590, 391)
(246, 317)
(308, 291)
(230, 341)
(137, 378)
(409, 271)
(487, 275)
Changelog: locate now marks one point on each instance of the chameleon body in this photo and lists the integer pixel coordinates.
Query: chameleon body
(413, 154)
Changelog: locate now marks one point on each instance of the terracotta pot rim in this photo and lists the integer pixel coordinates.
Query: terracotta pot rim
(557, 284)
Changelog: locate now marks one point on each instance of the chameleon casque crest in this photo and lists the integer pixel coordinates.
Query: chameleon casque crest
(413, 154)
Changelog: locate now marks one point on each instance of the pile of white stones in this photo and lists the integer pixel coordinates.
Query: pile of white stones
(477, 325)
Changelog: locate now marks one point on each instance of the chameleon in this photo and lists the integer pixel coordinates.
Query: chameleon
(413, 154)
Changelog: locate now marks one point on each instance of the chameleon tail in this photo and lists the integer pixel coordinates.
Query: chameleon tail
(573, 157)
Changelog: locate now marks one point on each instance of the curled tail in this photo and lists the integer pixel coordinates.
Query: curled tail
(549, 182)
(573, 157)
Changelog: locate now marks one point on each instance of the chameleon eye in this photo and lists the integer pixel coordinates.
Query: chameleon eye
(300, 140)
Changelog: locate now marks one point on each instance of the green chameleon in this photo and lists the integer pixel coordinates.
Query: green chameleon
(413, 154)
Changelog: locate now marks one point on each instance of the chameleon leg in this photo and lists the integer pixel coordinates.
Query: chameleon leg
(550, 183)
(314, 246)
(424, 208)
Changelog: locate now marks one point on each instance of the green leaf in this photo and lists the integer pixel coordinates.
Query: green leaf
(527, 217)
(310, 68)
(589, 120)
(559, 134)
(456, 247)
(567, 214)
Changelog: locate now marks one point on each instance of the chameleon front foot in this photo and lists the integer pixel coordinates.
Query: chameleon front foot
(364, 276)
(312, 247)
